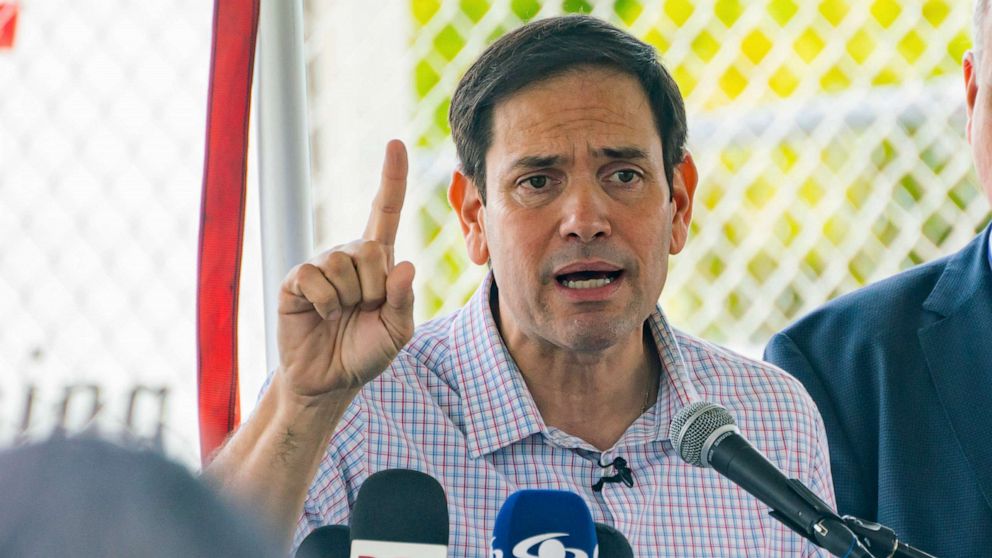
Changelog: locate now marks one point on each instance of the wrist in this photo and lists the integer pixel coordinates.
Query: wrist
(293, 405)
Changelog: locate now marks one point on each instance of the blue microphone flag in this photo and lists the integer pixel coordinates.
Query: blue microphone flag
(544, 524)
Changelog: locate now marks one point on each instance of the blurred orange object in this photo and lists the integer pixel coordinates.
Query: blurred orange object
(8, 22)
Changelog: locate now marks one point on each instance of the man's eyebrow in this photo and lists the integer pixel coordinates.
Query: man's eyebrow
(623, 152)
(537, 161)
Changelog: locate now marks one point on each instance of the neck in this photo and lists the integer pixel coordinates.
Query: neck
(595, 396)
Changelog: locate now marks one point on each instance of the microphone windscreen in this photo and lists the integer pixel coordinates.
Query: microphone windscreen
(694, 428)
(612, 543)
(399, 506)
(544, 523)
(329, 541)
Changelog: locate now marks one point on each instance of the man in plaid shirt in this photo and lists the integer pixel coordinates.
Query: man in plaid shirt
(574, 187)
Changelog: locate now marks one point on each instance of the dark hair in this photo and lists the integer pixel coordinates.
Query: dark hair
(90, 498)
(547, 48)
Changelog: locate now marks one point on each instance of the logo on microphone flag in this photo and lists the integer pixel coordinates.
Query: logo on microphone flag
(547, 546)
(542, 546)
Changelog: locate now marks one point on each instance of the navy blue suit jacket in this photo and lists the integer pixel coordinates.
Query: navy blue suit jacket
(902, 373)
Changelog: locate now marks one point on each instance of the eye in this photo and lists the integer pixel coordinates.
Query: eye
(537, 182)
(626, 176)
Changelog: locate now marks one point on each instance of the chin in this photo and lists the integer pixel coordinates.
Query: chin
(595, 335)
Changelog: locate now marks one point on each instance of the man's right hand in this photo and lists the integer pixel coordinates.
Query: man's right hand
(345, 314)
(343, 317)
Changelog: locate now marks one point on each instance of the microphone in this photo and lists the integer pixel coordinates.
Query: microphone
(612, 543)
(705, 435)
(399, 513)
(543, 523)
(623, 475)
(329, 541)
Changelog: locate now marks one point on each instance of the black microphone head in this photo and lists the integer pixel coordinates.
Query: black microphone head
(402, 506)
(696, 427)
(612, 543)
(329, 541)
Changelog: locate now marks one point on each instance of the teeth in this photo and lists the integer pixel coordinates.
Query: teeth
(588, 284)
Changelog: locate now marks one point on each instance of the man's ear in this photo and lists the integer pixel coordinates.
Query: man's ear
(465, 200)
(684, 181)
(970, 67)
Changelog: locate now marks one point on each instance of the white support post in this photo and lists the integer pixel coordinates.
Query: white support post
(283, 153)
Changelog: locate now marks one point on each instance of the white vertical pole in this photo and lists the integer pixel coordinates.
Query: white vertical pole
(283, 153)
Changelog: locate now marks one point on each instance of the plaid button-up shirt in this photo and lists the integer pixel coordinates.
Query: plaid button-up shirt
(454, 405)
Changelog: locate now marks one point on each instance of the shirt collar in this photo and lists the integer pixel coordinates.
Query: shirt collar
(676, 388)
(499, 409)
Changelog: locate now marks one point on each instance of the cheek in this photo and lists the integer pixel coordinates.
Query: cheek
(657, 261)
(981, 126)
(981, 141)
(520, 241)
(654, 236)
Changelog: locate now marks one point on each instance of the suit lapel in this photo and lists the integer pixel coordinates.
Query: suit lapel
(958, 351)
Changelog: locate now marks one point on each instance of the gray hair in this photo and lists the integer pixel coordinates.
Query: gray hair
(89, 498)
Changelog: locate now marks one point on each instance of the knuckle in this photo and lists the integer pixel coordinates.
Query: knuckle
(370, 250)
(326, 307)
(326, 298)
(339, 263)
(388, 207)
(305, 272)
(350, 297)
(320, 258)
(290, 280)
(302, 269)
(349, 248)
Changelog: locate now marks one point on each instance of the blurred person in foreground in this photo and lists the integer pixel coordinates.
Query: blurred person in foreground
(574, 187)
(88, 498)
(902, 372)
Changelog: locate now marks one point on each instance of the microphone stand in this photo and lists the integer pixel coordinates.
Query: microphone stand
(880, 540)
(828, 530)
(872, 540)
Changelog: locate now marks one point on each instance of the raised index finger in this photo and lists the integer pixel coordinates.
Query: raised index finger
(384, 219)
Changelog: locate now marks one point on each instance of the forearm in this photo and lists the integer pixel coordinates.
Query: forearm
(271, 460)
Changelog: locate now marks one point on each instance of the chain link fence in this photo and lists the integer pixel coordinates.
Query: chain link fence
(829, 137)
(102, 111)
(828, 134)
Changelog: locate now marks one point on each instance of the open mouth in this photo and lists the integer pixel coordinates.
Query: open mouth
(588, 279)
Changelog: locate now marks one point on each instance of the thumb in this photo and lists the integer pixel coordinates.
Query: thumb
(398, 310)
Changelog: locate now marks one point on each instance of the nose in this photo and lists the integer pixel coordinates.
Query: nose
(585, 212)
